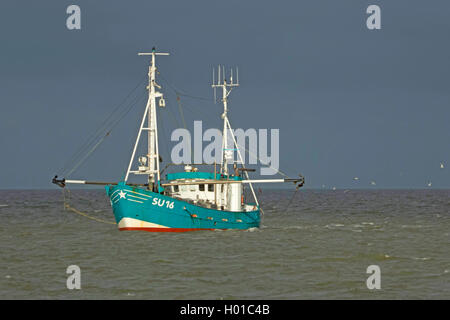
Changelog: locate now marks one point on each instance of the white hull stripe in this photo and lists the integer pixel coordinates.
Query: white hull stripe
(113, 193)
(130, 195)
(135, 200)
(135, 223)
(141, 194)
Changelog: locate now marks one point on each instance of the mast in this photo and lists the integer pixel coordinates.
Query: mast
(149, 164)
(227, 153)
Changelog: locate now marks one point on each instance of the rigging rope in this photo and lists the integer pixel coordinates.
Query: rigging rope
(181, 112)
(180, 92)
(173, 115)
(86, 156)
(113, 118)
(257, 158)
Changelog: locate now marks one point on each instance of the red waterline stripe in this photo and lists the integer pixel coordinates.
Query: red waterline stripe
(164, 229)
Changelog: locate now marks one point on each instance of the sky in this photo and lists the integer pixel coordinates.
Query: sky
(348, 101)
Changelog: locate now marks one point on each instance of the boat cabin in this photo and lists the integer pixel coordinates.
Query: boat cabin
(206, 189)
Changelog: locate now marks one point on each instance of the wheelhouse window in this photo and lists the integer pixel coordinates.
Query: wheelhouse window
(175, 188)
(210, 187)
(201, 187)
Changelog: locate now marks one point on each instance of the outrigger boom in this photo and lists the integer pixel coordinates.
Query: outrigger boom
(62, 182)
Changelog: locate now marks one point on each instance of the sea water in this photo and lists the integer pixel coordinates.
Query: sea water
(318, 247)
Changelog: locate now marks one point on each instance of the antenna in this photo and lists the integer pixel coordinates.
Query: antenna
(222, 83)
(222, 76)
(213, 82)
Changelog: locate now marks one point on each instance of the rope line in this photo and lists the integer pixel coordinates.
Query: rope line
(290, 201)
(69, 207)
(74, 210)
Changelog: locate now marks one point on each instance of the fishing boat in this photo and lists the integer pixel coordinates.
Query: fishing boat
(191, 199)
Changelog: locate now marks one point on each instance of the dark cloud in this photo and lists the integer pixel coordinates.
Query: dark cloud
(348, 101)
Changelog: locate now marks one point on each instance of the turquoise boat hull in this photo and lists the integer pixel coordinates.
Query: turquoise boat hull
(137, 208)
